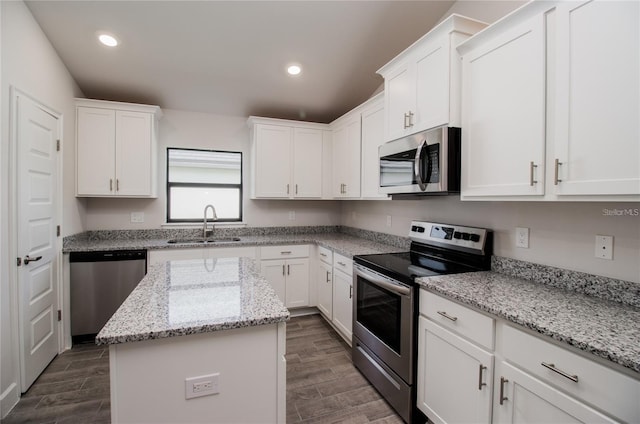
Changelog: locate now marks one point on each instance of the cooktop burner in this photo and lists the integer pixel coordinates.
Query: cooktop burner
(436, 249)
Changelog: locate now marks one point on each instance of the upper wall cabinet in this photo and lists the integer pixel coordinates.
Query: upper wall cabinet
(346, 155)
(372, 138)
(286, 159)
(422, 84)
(116, 146)
(550, 104)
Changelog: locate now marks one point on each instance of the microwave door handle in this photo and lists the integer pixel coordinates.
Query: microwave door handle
(372, 278)
(417, 169)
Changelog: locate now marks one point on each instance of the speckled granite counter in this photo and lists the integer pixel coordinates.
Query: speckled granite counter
(184, 297)
(344, 244)
(604, 328)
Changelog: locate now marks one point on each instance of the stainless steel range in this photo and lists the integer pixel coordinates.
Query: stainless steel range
(385, 309)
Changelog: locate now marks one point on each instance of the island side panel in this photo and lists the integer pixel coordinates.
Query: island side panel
(148, 377)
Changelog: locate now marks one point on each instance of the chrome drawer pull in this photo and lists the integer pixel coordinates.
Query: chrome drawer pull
(556, 180)
(553, 368)
(323, 255)
(328, 277)
(285, 252)
(342, 264)
(447, 316)
(480, 383)
(502, 396)
(532, 166)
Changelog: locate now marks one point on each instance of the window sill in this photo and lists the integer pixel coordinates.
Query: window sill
(199, 224)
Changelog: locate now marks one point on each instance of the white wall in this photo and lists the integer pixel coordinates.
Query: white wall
(30, 64)
(206, 131)
(562, 234)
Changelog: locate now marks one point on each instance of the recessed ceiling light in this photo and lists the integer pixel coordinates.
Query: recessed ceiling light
(294, 69)
(108, 40)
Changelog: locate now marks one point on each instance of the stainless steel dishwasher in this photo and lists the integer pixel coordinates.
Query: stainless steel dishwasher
(100, 282)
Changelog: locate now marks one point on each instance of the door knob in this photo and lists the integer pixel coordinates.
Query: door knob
(27, 259)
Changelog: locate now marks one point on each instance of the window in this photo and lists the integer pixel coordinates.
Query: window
(197, 178)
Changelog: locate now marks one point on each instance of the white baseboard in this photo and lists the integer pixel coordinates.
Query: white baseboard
(8, 399)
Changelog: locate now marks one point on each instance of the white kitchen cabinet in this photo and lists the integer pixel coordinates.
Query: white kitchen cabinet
(286, 159)
(287, 270)
(455, 355)
(346, 156)
(372, 139)
(324, 282)
(550, 104)
(521, 398)
(343, 304)
(116, 149)
(454, 376)
(422, 84)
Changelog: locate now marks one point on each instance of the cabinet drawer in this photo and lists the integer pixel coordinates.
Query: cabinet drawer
(284, 252)
(343, 263)
(603, 387)
(460, 319)
(325, 255)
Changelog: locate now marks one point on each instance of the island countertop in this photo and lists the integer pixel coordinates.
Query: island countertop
(185, 297)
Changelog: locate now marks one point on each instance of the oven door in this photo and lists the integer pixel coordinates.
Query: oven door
(383, 319)
(413, 164)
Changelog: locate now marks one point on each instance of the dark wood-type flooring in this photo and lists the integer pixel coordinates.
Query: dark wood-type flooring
(322, 384)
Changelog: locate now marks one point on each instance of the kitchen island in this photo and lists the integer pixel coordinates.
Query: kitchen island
(198, 327)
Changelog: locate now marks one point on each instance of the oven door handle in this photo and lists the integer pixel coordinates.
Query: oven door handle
(381, 282)
(417, 168)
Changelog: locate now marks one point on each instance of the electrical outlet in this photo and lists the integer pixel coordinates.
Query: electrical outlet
(204, 385)
(292, 215)
(522, 237)
(604, 247)
(137, 217)
(388, 220)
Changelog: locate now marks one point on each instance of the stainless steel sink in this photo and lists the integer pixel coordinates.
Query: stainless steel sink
(203, 241)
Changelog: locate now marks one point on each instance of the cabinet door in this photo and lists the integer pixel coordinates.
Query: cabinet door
(325, 289)
(597, 100)
(454, 377)
(134, 154)
(307, 163)
(352, 149)
(503, 110)
(297, 283)
(95, 155)
(400, 99)
(343, 304)
(273, 161)
(432, 86)
(372, 138)
(339, 140)
(275, 273)
(521, 398)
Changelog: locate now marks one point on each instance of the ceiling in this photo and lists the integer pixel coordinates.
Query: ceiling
(229, 57)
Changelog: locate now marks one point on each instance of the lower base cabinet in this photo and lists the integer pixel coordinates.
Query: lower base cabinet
(454, 382)
(343, 303)
(324, 284)
(521, 398)
(290, 280)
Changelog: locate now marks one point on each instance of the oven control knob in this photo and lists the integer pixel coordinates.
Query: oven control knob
(421, 229)
(414, 228)
(465, 236)
(474, 238)
(457, 235)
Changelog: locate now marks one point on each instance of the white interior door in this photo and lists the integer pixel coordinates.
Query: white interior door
(36, 139)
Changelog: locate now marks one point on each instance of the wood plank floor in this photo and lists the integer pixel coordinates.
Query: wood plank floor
(322, 384)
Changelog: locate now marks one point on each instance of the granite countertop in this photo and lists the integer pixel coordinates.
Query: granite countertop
(185, 297)
(602, 327)
(344, 244)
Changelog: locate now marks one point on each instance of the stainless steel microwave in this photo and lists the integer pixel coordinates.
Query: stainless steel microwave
(424, 163)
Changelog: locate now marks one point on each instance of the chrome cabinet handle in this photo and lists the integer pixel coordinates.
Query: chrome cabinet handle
(27, 259)
(342, 264)
(328, 279)
(532, 166)
(282, 269)
(296, 188)
(447, 316)
(556, 180)
(553, 368)
(323, 254)
(117, 184)
(287, 188)
(288, 270)
(285, 252)
(350, 292)
(480, 383)
(502, 396)
(110, 184)
(410, 119)
(406, 119)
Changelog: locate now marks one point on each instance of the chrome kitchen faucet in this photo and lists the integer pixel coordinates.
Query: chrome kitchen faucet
(205, 229)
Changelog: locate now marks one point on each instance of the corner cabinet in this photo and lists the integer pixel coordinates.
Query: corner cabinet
(534, 126)
(286, 159)
(422, 84)
(116, 149)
